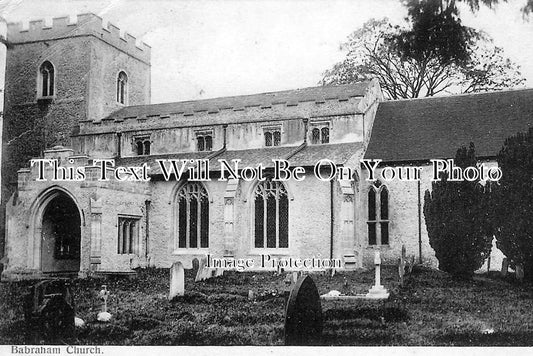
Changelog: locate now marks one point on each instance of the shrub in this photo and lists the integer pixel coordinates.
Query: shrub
(457, 220)
(512, 201)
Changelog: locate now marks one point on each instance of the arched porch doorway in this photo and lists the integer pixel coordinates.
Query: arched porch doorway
(60, 234)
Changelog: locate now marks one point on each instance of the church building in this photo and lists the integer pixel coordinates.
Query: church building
(78, 96)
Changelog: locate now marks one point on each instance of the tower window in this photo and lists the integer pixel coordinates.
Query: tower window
(122, 88)
(142, 145)
(46, 80)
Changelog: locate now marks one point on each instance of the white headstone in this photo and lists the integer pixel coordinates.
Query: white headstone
(177, 281)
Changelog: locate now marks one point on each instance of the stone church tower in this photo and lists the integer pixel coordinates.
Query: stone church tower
(60, 74)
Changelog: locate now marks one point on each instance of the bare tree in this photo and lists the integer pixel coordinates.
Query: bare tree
(374, 52)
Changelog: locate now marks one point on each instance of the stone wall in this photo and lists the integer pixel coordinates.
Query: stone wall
(404, 217)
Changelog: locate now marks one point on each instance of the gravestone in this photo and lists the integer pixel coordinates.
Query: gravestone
(49, 312)
(401, 266)
(104, 315)
(505, 267)
(303, 314)
(377, 291)
(205, 272)
(177, 281)
(195, 267)
(519, 270)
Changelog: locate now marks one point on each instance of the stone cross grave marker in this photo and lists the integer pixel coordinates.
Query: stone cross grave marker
(177, 281)
(377, 291)
(303, 314)
(104, 295)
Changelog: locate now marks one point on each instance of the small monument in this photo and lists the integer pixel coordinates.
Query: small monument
(177, 281)
(104, 315)
(377, 291)
(303, 314)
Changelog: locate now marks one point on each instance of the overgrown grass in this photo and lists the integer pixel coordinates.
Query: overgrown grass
(432, 309)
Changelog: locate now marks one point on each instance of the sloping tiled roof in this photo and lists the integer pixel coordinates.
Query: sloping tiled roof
(339, 153)
(289, 97)
(429, 128)
(308, 156)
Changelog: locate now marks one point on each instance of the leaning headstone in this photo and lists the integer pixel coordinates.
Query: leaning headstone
(49, 312)
(519, 270)
(505, 267)
(204, 272)
(303, 314)
(177, 281)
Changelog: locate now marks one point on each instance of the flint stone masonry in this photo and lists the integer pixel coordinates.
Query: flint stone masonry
(326, 219)
(87, 59)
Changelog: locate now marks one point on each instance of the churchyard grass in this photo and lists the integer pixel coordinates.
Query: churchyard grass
(431, 309)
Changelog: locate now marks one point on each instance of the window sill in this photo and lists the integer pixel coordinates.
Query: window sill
(372, 247)
(191, 251)
(45, 99)
(275, 252)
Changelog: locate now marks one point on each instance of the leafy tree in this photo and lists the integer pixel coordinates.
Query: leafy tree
(512, 202)
(457, 220)
(380, 50)
(436, 27)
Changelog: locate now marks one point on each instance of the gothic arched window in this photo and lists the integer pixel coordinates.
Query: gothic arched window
(271, 215)
(122, 88)
(47, 79)
(192, 205)
(384, 215)
(372, 240)
(378, 215)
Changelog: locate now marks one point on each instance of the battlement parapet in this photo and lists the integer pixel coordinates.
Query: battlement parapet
(83, 24)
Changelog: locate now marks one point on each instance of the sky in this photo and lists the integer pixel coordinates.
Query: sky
(203, 49)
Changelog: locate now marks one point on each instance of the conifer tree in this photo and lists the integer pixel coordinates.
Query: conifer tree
(457, 220)
(512, 203)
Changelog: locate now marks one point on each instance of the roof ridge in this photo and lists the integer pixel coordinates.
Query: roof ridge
(459, 95)
(250, 95)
